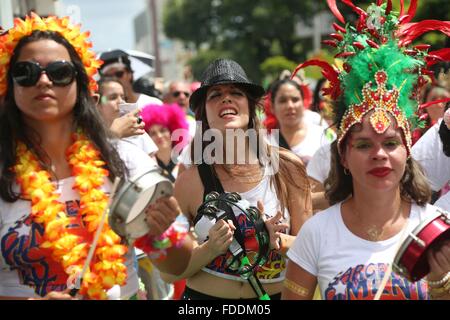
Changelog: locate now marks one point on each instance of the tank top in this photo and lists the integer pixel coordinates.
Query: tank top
(275, 268)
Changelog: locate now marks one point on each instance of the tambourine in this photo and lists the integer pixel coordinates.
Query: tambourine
(411, 258)
(127, 212)
(213, 210)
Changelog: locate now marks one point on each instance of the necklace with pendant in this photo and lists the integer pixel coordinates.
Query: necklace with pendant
(373, 232)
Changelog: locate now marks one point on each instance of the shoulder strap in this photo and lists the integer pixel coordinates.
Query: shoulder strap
(283, 143)
(212, 183)
(209, 179)
(167, 169)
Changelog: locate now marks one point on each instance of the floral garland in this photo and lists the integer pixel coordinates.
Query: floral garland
(107, 267)
(72, 33)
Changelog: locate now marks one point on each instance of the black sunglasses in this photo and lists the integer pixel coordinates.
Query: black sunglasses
(28, 73)
(119, 74)
(176, 94)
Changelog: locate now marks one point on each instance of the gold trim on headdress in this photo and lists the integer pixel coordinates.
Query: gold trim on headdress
(72, 33)
(383, 103)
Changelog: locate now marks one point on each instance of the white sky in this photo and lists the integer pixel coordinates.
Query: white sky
(109, 21)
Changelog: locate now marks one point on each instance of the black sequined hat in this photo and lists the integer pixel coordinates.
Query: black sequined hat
(223, 71)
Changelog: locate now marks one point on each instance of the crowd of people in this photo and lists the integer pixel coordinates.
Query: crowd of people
(319, 205)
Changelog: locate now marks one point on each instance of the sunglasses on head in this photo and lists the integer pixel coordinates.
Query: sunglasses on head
(28, 73)
(117, 74)
(176, 94)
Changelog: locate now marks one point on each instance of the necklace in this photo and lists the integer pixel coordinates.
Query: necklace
(70, 250)
(373, 232)
(247, 174)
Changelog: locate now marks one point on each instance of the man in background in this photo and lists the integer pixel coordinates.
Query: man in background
(117, 64)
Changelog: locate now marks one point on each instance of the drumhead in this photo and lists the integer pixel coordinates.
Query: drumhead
(127, 213)
(136, 224)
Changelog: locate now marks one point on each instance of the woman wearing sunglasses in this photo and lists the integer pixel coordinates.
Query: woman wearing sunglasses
(57, 167)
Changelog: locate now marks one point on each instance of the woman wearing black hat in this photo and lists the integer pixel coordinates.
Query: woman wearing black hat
(227, 102)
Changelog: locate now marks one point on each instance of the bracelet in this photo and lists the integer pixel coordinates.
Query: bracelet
(439, 283)
(436, 293)
(156, 246)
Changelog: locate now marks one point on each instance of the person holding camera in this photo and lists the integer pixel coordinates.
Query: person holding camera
(128, 127)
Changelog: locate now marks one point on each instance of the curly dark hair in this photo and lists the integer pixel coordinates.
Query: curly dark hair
(85, 114)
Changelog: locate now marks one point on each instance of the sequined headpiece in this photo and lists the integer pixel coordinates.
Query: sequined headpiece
(72, 33)
(381, 71)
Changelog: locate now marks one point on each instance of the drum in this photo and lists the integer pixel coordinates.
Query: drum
(411, 258)
(127, 212)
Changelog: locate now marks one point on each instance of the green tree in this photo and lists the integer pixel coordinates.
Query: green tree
(249, 31)
(253, 31)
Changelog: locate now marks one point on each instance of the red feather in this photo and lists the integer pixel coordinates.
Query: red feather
(307, 95)
(334, 9)
(388, 7)
(270, 122)
(328, 72)
(444, 54)
(411, 11)
(339, 28)
(356, 9)
(409, 32)
(426, 105)
(402, 7)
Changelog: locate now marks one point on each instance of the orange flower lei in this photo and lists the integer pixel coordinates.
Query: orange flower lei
(70, 250)
(70, 32)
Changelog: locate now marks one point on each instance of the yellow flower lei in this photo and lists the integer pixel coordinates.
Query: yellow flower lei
(70, 32)
(70, 250)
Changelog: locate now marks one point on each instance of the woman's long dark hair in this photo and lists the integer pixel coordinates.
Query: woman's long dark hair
(86, 117)
(280, 179)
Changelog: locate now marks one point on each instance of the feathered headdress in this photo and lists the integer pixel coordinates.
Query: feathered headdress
(382, 72)
(72, 33)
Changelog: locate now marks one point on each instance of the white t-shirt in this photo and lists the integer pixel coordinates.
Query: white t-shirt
(144, 100)
(444, 202)
(312, 117)
(428, 151)
(18, 237)
(319, 166)
(314, 139)
(143, 142)
(348, 267)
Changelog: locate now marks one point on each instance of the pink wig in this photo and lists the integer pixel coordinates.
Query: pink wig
(170, 116)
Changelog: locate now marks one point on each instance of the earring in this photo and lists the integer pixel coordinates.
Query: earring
(346, 172)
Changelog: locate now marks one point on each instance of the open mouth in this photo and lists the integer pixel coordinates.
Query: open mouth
(228, 112)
